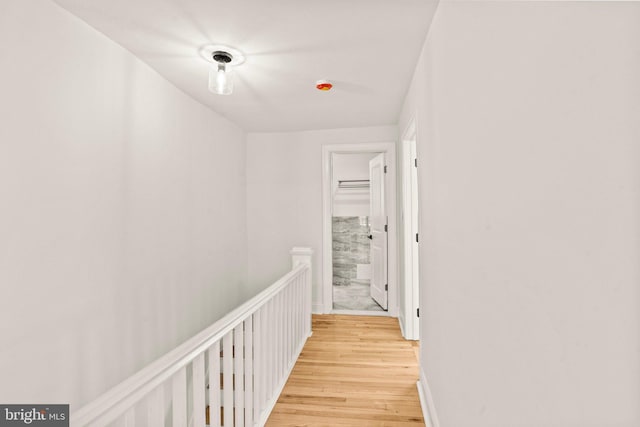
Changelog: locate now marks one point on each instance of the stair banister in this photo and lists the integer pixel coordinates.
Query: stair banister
(253, 380)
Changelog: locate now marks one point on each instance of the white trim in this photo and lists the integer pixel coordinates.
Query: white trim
(390, 186)
(317, 308)
(410, 321)
(426, 402)
(362, 313)
(401, 323)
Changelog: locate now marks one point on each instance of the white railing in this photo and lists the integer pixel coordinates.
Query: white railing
(230, 374)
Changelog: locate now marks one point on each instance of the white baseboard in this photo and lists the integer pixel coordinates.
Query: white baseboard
(426, 402)
(362, 313)
(401, 322)
(316, 308)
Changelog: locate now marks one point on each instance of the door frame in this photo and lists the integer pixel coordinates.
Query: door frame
(389, 148)
(409, 316)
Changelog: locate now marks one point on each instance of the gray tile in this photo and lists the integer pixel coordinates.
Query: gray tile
(351, 244)
(354, 296)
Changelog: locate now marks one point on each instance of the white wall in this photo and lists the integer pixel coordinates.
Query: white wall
(353, 166)
(284, 193)
(122, 219)
(528, 118)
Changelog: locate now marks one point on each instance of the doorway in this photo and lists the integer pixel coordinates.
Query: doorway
(359, 245)
(352, 233)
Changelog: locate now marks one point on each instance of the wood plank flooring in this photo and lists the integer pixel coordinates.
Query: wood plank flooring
(354, 371)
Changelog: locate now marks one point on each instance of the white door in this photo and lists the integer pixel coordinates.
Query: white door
(378, 233)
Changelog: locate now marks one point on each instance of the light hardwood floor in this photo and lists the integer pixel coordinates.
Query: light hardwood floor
(353, 371)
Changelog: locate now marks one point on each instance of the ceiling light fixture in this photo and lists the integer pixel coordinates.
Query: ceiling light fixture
(221, 78)
(223, 60)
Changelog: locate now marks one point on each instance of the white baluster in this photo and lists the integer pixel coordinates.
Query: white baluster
(155, 407)
(280, 336)
(199, 388)
(130, 417)
(287, 316)
(239, 377)
(296, 316)
(227, 378)
(179, 398)
(269, 344)
(285, 327)
(287, 336)
(290, 304)
(300, 314)
(248, 371)
(296, 312)
(258, 360)
(307, 302)
(276, 345)
(214, 385)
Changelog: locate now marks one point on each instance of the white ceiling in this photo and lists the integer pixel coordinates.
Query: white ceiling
(367, 48)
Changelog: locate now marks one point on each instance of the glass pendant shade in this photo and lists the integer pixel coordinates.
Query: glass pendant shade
(221, 79)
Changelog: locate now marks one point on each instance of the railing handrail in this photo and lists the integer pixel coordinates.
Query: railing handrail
(130, 391)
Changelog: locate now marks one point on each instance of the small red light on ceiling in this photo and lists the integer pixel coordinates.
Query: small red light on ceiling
(323, 85)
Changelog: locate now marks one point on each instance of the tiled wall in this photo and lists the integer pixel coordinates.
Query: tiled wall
(350, 247)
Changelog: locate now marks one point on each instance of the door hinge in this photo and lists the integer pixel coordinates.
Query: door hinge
(386, 228)
(385, 168)
(415, 162)
(418, 312)
(386, 287)
(417, 238)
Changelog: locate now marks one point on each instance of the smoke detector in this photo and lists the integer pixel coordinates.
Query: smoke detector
(324, 85)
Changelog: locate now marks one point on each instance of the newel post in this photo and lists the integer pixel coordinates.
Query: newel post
(301, 255)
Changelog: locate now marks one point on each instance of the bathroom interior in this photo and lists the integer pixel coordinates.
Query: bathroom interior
(350, 233)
